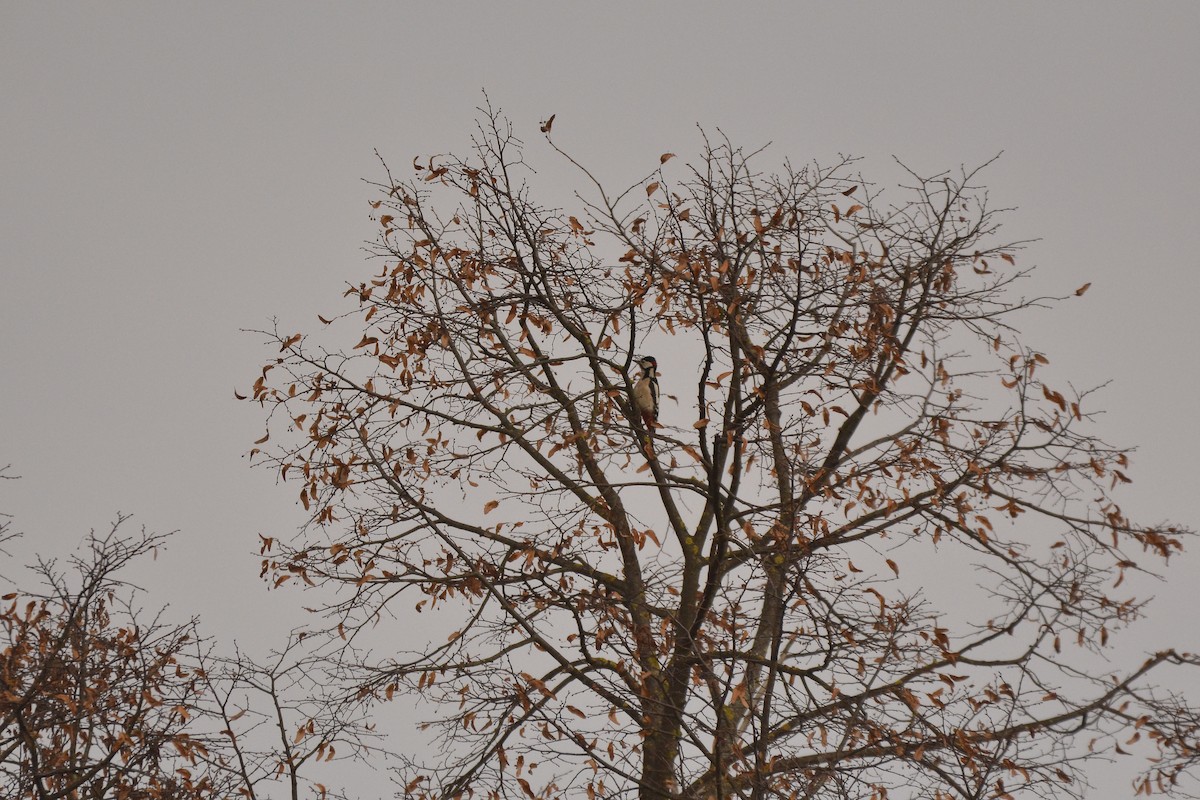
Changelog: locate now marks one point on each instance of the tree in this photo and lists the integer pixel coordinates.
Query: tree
(99, 700)
(95, 699)
(867, 550)
(278, 719)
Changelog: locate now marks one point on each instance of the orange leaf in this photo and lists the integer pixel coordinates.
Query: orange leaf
(652, 188)
(665, 157)
(490, 506)
(1054, 397)
(1079, 292)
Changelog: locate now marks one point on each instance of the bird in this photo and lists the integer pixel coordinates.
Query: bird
(646, 392)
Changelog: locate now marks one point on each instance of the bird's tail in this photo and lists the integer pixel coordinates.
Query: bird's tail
(650, 423)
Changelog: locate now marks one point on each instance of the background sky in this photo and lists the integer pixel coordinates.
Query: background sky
(171, 174)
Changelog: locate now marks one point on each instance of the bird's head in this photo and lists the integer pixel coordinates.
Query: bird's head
(648, 363)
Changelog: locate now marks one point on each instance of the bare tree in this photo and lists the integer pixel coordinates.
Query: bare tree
(6, 532)
(866, 550)
(283, 717)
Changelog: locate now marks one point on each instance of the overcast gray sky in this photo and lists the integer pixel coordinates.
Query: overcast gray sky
(172, 173)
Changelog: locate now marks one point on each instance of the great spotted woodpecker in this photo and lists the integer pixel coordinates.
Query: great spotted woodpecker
(645, 392)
